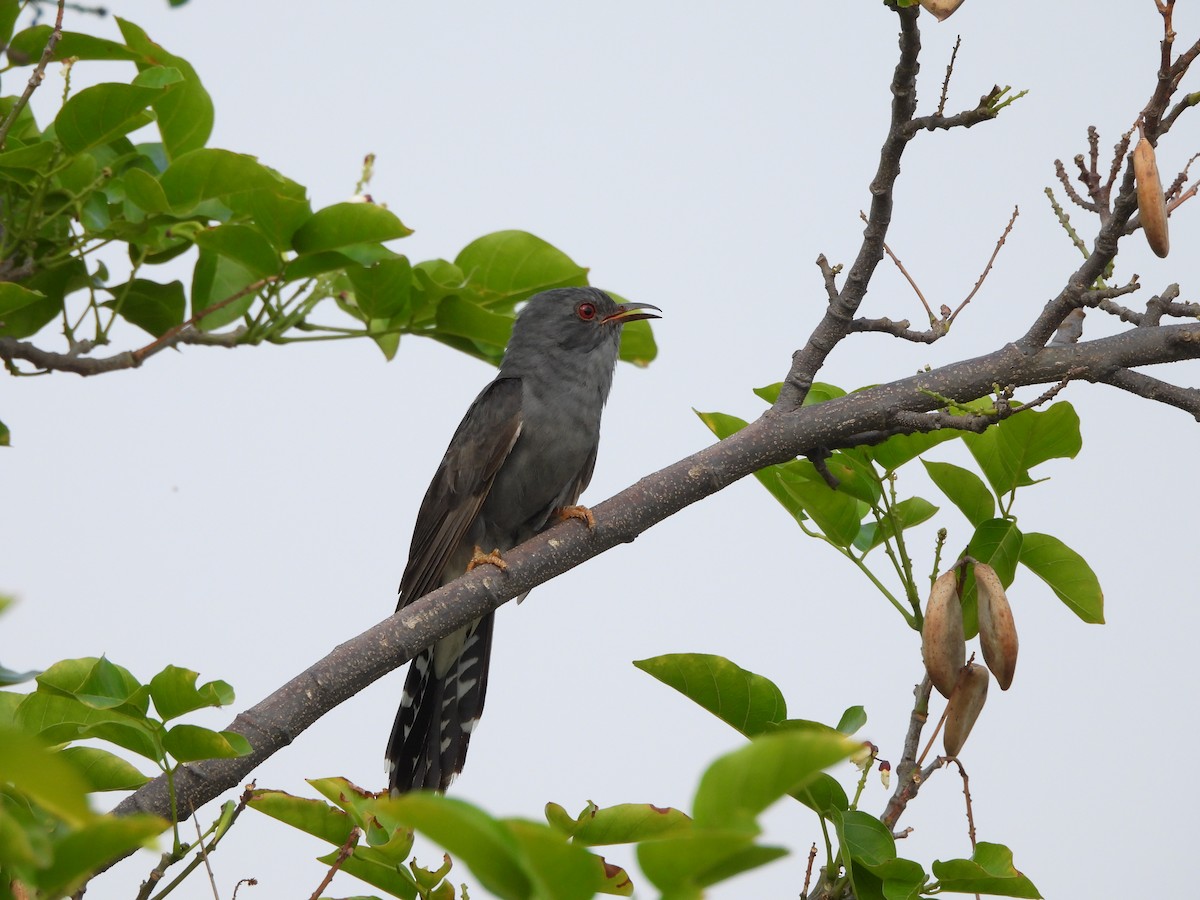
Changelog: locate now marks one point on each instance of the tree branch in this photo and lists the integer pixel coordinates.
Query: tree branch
(35, 79)
(836, 322)
(776, 437)
(12, 349)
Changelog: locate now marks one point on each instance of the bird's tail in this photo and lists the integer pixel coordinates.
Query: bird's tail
(437, 713)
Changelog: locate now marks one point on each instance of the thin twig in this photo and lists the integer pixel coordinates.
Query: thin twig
(949, 71)
(212, 879)
(172, 334)
(903, 271)
(343, 854)
(966, 793)
(988, 268)
(35, 79)
(812, 855)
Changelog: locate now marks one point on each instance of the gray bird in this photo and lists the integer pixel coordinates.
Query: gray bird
(519, 460)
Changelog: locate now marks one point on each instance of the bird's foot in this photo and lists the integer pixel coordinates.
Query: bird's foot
(489, 559)
(578, 512)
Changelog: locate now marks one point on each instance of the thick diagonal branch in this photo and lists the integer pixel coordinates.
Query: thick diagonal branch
(276, 721)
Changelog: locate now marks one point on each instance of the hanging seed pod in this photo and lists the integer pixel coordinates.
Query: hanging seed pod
(941, 9)
(1152, 205)
(965, 705)
(943, 646)
(997, 631)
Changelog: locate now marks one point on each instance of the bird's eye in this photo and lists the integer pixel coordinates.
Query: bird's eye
(586, 311)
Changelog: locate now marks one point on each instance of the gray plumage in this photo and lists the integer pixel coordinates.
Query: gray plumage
(524, 450)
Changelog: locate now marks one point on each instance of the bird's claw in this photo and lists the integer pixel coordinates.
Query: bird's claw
(479, 558)
(578, 512)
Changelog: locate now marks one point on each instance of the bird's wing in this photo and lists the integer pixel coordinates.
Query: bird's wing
(479, 447)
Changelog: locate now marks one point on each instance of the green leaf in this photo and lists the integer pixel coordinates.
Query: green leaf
(143, 190)
(174, 693)
(471, 836)
(990, 870)
(344, 224)
(61, 718)
(13, 297)
(8, 676)
(680, 867)
(740, 785)
(626, 823)
(43, 776)
(105, 839)
(100, 113)
(383, 873)
(314, 817)
(559, 870)
(26, 48)
(996, 542)
(907, 514)
(506, 267)
(154, 307)
(864, 838)
(637, 344)
(855, 476)
(9, 11)
(244, 245)
(854, 718)
(964, 489)
(103, 771)
(35, 157)
(902, 448)
(1067, 574)
(748, 702)
(277, 205)
(215, 279)
(902, 879)
(820, 392)
(188, 743)
(489, 331)
(96, 682)
(823, 795)
(1008, 450)
(383, 290)
(185, 115)
(837, 514)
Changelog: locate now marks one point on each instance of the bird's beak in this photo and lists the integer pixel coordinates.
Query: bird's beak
(632, 312)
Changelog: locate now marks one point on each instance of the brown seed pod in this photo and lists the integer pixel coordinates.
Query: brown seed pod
(943, 646)
(942, 9)
(965, 705)
(997, 631)
(1152, 205)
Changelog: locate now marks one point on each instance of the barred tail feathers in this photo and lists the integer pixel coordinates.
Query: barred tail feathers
(442, 701)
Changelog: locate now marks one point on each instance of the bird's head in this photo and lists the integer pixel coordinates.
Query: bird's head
(577, 320)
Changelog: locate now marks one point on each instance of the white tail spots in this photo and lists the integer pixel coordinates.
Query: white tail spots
(463, 686)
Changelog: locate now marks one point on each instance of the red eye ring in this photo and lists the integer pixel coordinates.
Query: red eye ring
(586, 311)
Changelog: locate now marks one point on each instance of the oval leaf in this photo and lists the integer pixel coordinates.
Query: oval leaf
(1067, 574)
(740, 785)
(748, 702)
(344, 224)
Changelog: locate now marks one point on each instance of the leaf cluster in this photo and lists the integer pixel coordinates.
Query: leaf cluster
(51, 840)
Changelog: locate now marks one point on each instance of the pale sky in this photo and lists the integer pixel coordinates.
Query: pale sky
(242, 512)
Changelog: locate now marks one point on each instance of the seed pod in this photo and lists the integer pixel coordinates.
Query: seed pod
(1152, 205)
(965, 705)
(997, 631)
(942, 9)
(942, 644)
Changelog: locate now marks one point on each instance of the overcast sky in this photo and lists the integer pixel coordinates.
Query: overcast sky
(242, 512)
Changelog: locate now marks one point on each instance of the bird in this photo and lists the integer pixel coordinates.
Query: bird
(516, 465)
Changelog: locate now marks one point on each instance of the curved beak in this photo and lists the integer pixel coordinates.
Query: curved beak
(632, 312)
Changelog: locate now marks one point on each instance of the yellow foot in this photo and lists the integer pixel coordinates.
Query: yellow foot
(578, 512)
(490, 559)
